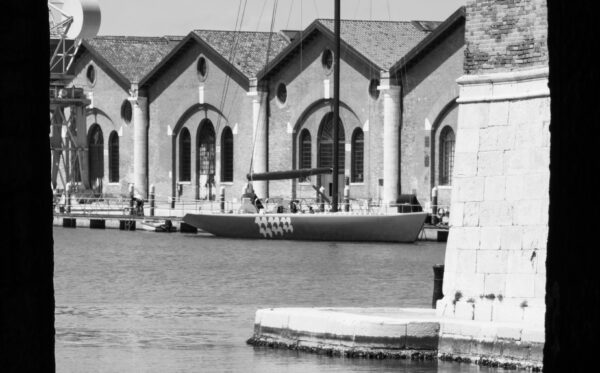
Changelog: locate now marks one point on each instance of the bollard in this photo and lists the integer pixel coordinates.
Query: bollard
(438, 283)
(347, 198)
(131, 199)
(222, 199)
(434, 202)
(152, 197)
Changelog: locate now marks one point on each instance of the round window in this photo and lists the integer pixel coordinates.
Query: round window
(327, 60)
(282, 93)
(91, 74)
(202, 68)
(126, 111)
(373, 91)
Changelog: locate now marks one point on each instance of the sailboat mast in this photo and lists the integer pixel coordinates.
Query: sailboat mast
(336, 107)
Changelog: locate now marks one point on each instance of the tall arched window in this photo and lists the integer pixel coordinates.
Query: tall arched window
(185, 156)
(206, 148)
(358, 152)
(227, 155)
(305, 156)
(325, 143)
(446, 155)
(113, 157)
(96, 157)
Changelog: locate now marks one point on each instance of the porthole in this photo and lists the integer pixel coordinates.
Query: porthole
(202, 68)
(126, 111)
(327, 60)
(373, 91)
(282, 93)
(91, 74)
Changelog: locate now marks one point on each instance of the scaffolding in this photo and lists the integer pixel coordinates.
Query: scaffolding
(68, 132)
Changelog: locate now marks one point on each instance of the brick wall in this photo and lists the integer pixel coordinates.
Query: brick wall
(429, 87)
(174, 104)
(505, 35)
(108, 96)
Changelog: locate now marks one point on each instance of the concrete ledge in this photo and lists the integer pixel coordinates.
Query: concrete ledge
(350, 332)
(399, 333)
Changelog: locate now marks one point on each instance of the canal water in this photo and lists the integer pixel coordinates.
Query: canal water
(149, 302)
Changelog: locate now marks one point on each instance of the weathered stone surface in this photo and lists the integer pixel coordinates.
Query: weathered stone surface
(490, 163)
(471, 214)
(499, 112)
(474, 116)
(492, 261)
(520, 285)
(490, 238)
(495, 188)
(496, 213)
(465, 165)
(495, 284)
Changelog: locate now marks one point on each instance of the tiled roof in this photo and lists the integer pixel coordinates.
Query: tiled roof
(383, 42)
(249, 55)
(133, 56)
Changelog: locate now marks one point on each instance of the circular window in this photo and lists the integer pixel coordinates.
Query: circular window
(126, 111)
(202, 68)
(91, 74)
(327, 60)
(373, 91)
(282, 93)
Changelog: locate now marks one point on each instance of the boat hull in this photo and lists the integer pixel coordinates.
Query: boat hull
(313, 227)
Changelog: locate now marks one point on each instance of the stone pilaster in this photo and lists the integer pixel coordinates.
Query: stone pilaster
(391, 140)
(260, 139)
(140, 143)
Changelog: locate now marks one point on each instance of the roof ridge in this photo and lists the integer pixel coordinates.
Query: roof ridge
(238, 31)
(129, 38)
(370, 21)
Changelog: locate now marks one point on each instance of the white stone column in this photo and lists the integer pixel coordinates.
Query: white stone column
(140, 144)
(391, 141)
(260, 138)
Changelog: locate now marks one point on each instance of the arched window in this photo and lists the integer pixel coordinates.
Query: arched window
(185, 156)
(446, 155)
(358, 152)
(206, 148)
(227, 155)
(96, 157)
(325, 143)
(305, 157)
(113, 157)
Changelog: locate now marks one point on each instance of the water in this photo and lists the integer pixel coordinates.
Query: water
(148, 302)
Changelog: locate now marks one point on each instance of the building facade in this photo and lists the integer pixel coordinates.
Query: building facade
(190, 115)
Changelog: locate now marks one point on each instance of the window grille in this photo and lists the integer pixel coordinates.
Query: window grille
(185, 156)
(326, 144)
(227, 155)
(96, 154)
(206, 149)
(113, 157)
(446, 155)
(305, 151)
(358, 156)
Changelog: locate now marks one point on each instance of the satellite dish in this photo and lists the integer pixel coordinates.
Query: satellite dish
(86, 17)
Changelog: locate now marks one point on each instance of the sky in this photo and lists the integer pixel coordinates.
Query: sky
(179, 17)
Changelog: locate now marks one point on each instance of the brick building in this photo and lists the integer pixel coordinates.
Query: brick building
(191, 115)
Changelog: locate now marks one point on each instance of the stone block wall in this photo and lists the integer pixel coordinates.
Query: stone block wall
(496, 254)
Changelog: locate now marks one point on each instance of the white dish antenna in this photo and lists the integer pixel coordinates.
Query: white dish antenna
(85, 14)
